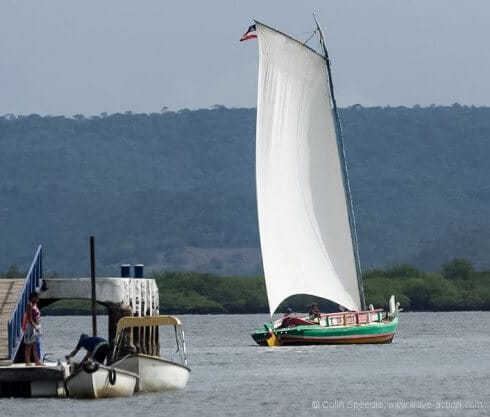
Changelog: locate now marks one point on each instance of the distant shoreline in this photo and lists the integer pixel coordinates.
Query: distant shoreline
(458, 287)
(103, 313)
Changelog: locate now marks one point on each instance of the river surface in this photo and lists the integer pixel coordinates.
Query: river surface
(437, 365)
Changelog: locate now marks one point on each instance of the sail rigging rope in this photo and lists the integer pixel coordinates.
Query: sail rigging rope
(311, 36)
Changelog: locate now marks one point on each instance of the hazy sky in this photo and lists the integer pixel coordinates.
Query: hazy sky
(68, 57)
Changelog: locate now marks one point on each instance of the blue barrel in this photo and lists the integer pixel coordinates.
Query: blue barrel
(138, 271)
(125, 271)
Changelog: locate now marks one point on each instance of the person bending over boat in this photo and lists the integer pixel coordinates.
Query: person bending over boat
(97, 348)
(315, 313)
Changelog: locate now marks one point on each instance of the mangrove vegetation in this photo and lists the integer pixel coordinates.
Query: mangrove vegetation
(457, 287)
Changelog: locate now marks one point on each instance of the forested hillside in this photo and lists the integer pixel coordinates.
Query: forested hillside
(176, 190)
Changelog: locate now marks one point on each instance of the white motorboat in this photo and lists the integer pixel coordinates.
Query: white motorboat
(155, 373)
(99, 381)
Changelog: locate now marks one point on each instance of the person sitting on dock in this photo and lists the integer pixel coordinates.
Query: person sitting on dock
(97, 349)
(314, 313)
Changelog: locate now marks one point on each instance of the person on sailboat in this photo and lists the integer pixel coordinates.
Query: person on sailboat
(97, 348)
(314, 312)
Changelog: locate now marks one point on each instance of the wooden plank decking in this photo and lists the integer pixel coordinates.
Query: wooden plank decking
(10, 290)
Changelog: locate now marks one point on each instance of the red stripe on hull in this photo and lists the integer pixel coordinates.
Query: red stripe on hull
(377, 338)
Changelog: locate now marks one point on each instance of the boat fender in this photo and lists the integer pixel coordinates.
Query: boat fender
(90, 367)
(112, 376)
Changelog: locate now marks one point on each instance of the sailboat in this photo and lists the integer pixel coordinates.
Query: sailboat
(306, 221)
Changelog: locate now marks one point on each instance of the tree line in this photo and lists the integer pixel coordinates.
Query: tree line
(457, 287)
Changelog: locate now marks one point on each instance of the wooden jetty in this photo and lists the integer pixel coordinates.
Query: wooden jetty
(122, 296)
(10, 290)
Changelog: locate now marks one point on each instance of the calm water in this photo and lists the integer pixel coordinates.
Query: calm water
(438, 365)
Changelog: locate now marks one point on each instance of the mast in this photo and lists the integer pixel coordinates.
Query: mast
(345, 172)
(92, 286)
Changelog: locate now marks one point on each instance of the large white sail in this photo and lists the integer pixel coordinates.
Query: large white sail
(303, 215)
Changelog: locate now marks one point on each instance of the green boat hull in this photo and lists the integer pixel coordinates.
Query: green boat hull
(314, 334)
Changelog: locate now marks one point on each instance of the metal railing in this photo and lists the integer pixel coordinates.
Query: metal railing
(32, 282)
(347, 318)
